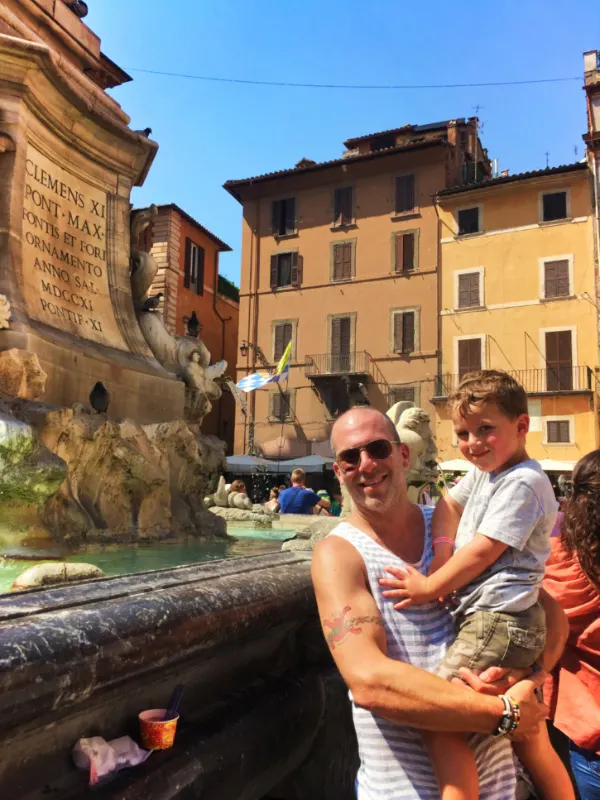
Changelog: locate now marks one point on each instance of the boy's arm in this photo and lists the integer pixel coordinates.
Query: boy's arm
(465, 565)
(444, 524)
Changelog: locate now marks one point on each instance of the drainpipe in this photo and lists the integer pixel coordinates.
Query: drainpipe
(597, 286)
(223, 321)
(439, 296)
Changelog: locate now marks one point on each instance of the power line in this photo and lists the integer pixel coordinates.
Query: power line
(349, 86)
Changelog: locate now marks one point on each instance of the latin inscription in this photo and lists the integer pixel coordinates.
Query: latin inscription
(64, 252)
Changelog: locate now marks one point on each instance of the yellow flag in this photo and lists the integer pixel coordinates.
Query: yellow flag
(283, 361)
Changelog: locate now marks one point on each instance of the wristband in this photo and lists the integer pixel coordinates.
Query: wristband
(511, 716)
(443, 540)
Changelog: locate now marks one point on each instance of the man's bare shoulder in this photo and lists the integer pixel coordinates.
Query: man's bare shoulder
(334, 553)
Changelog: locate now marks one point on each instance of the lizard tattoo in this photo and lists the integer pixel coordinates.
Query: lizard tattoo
(340, 627)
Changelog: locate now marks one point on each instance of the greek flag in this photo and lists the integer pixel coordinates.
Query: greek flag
(259, 379)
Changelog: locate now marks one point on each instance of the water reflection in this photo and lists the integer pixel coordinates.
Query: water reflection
(121, 559)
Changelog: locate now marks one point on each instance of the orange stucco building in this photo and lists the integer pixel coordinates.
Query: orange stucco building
(187, 255)
(342, 258)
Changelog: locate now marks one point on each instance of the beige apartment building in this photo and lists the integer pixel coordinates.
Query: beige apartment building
(342, 258)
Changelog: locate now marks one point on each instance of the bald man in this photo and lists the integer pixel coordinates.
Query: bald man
(387, 656)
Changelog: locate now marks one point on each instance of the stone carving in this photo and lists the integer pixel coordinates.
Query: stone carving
(221, 498)
(30, 475)
(414, 429)
(125, 481)
(4, 312)
(53, 573)
(21, 375)
(186, 356)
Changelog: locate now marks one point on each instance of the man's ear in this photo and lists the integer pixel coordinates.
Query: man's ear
(338, 473)
(405, 453)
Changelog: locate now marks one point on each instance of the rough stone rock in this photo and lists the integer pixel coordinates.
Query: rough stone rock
(125, 481)
(29, 476)
(53, 573)
(241, 515)
(21, 374)
(307, 538)
(241, 500)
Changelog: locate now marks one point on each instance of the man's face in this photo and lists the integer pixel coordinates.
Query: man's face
(374, 484)
(488, 438)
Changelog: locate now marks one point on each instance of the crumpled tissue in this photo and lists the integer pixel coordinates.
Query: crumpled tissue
(104, 757)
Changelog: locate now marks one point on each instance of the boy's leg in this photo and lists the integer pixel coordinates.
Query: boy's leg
(453, 764)
(548, 772)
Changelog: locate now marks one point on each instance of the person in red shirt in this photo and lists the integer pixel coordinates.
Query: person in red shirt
(573, 578)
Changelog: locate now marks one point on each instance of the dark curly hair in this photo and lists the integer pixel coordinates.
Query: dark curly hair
(581, 524)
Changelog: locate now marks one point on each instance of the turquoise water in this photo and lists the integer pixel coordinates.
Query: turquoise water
(124, 559)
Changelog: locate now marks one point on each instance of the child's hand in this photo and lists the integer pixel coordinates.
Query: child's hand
(407, 584)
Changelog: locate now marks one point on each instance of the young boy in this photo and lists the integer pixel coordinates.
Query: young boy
(491, 541)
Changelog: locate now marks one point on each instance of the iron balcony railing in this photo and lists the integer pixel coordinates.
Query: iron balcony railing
(356, 363)
(534, 381)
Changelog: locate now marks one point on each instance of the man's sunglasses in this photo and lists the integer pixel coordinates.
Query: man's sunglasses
(378, 449)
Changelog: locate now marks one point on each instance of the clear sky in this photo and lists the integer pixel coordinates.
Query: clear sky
(211, 132)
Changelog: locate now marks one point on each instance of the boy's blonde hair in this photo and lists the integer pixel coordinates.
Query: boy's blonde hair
(489, 386)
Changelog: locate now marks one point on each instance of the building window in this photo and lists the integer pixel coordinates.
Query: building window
(193, 273)
(342, 207)
(397, 394)
(286, 269)
(405, 194)
(559, 361)
(463, 139)
(469, 290)
(468, 221)
(558, 431)
(342, 261)
(383, 142)
(556, 279)
(404, 331)
(405, 252)
(282, 336)
(469, 356)
(283, 217)
(281, 406)
(554, 206)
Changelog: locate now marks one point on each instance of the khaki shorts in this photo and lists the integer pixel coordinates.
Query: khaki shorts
(493, 639)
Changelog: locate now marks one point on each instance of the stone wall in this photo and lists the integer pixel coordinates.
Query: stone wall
(264, 713)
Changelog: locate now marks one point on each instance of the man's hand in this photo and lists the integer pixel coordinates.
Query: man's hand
(409, 585)
(493, 681)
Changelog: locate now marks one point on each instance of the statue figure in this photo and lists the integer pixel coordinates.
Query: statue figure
(224, 499)
(185, 356)
(4, 311)
(414, 430)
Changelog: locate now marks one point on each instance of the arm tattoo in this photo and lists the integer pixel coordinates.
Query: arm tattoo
(340, 627)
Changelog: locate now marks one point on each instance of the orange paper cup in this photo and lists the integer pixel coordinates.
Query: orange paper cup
(156, 734)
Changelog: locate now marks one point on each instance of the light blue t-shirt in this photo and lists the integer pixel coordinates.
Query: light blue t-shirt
(516, 507)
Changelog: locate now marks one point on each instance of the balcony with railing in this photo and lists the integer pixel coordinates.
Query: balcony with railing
(337, 364)
(557, 380)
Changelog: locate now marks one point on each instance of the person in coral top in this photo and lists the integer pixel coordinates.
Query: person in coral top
(573, 578)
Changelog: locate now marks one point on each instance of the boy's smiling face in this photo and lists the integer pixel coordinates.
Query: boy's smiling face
(489, 439)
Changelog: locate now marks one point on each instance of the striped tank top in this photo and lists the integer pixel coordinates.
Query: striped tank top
(394, 764)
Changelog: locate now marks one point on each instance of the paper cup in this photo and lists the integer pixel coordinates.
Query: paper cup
(156, 734)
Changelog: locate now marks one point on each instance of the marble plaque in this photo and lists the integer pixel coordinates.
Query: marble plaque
(64, 252)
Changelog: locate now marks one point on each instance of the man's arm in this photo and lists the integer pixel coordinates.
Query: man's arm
(398, 691)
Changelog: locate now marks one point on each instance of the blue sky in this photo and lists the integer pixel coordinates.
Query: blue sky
(211, 132)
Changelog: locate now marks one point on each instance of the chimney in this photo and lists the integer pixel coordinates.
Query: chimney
(504, 173)
(452, 132)
(591, 65)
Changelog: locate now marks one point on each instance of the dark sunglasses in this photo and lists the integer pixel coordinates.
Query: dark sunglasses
(378, 449)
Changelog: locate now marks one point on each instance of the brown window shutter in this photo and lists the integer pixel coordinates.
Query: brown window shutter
(469, 356)
(296, 268)
(463, 291)
(284, 406)
(336, 335)
(290, 215)
(200, 272)
(276, 405)
(276, 217)
(408, 252)
(399, 251)
(274, 281)
(559, 361)
(408, 331)
(338, 207)
(405, 193)
(398, 332)
(338, 262)
(562, 279)
(474, 289)
(346, 260)
(550, 279)
(279, 345)
(345, 325)
(347, 206)
(187, 264)
(556, 279)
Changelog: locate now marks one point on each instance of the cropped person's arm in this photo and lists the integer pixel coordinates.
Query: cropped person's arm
(395, 690)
